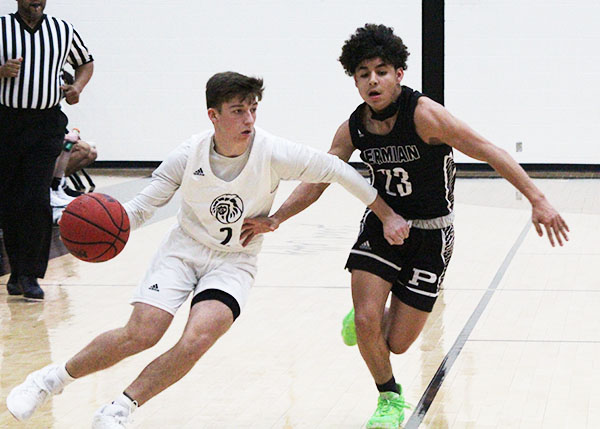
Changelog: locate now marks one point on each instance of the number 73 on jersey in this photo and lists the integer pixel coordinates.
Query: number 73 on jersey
(396, 181)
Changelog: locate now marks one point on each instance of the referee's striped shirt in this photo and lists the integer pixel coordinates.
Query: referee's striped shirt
(45, 49)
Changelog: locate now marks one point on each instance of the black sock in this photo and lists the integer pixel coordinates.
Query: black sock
(389, 386)
(55, 183)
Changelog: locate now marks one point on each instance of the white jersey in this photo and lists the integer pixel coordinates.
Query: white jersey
(219, 207)
(213, 210)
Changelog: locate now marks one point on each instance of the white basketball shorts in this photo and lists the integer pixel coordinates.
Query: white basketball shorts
(183, 266)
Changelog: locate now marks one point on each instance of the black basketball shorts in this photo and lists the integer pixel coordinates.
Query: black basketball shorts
(415, 269)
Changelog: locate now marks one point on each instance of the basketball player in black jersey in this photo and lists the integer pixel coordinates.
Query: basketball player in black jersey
(406, 139)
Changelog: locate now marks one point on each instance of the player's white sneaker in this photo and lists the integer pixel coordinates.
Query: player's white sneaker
(23, 400)
(115, 415)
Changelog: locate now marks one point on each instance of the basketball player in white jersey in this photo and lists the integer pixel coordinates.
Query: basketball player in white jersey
(225, 175)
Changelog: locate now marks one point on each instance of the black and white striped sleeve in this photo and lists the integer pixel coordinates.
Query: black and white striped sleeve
(79, 54)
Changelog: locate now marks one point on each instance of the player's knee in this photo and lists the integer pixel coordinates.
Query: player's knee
(398, 348)
(367, 323)
(144, 342)
(140, 340)
(399, 345)
(92, 154)
(193, 347)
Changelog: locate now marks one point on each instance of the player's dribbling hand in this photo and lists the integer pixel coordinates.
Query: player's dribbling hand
(258, 225)
(556, 227)
(11, 68)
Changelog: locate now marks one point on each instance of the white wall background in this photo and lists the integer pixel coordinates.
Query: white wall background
(529, 71)
(516, 70)
(153, 58)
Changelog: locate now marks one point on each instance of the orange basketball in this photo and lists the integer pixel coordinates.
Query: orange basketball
(94, 227)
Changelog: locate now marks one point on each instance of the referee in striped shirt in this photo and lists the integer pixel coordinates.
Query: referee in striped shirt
(34, 48)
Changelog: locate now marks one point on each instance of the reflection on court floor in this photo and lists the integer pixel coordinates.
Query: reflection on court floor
(514, 339)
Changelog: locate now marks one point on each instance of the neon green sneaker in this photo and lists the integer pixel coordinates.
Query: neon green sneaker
(348, 329)
(390, 411)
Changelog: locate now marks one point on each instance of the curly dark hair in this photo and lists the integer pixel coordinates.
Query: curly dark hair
(373, 41)
(224, 87)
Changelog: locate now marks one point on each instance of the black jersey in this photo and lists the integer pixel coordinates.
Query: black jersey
(414, 178)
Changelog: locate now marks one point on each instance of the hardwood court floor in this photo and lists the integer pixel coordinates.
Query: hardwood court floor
(513, 342)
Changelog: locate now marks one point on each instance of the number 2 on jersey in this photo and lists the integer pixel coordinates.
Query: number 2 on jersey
(400, 187)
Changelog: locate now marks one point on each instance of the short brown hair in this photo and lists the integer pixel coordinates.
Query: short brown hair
(226, 86)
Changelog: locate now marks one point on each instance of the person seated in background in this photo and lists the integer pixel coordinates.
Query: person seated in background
(76, 155)
(82, 155)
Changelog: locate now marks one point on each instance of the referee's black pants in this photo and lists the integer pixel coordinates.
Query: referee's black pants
(30, 141)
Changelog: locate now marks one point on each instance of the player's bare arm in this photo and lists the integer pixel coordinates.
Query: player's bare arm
(435, 125)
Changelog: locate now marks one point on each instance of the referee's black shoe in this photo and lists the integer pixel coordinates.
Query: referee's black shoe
(31, 288)
(13, 287)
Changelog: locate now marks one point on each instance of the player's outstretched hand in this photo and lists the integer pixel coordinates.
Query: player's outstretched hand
(258, 225)
(542, 213)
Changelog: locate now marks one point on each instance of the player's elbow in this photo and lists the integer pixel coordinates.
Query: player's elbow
(316, 190)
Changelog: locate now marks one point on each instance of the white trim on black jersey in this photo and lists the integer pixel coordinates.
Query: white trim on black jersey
(376, 257)
(449, 176)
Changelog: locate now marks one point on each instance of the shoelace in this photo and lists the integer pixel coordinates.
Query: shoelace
(384, 405)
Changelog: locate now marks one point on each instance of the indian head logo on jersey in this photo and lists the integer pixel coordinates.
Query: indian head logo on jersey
(227, 208)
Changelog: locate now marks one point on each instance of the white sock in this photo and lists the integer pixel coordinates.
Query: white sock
(125, 402)
(63, 375)
(56, 378)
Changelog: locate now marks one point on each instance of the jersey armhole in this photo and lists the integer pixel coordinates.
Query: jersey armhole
(354, 126)
(414, 102)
